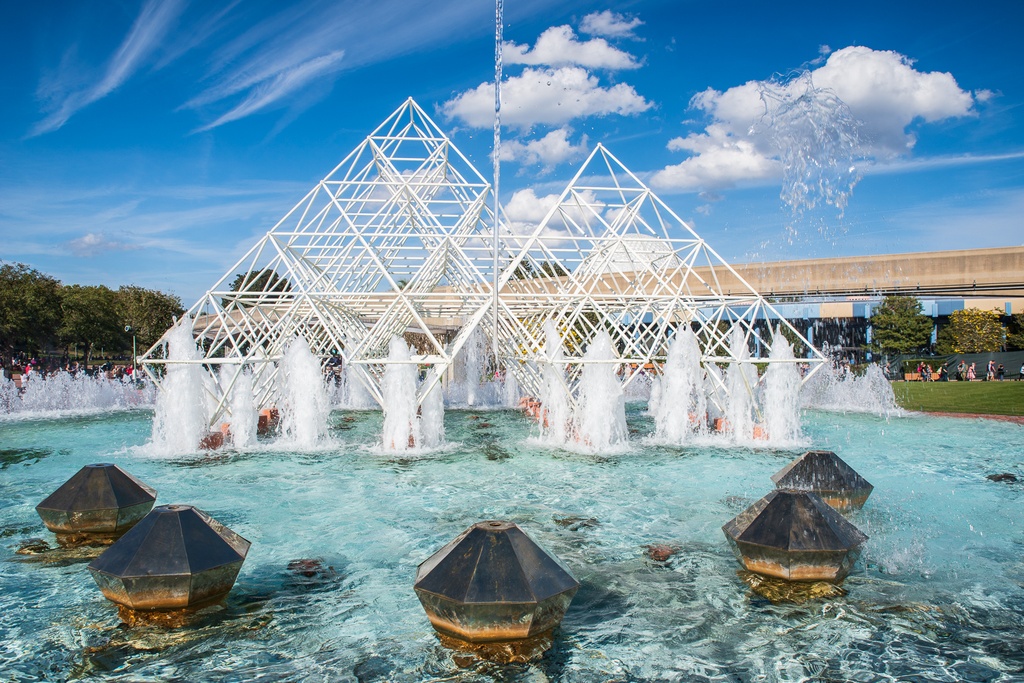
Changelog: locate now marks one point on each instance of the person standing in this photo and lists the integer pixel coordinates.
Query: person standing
(1000, 372)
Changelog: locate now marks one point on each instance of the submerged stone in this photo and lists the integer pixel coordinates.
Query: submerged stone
(795, 535)
(100, 500)
(826, 474)
(178, 557)
(494, 583)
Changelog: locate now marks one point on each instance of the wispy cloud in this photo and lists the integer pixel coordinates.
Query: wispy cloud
(307, 45)
(150, 27)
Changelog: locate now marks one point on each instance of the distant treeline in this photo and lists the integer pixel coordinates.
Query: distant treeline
(41, 314)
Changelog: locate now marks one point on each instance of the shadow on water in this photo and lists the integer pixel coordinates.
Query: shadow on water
(15, 456)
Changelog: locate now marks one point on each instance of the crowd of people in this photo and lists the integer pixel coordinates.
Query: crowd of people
(23, 368)
(963, 372)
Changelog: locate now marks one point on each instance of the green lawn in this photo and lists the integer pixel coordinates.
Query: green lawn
(991, 398)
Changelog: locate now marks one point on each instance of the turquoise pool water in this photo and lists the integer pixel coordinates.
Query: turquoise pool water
(938, 594)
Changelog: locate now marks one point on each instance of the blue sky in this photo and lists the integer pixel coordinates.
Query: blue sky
(152, 142)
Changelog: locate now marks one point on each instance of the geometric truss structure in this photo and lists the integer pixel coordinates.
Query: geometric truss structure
(612, 256)
(399, 238)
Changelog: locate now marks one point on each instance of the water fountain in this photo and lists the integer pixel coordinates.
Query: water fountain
(599, 422)
(681, 407)
(796, 536)
(828, 476)
(741, 380)
(244, 420)
(179, 420)
(96, 505)
(431, 411)
(401, 424)
(553, 414)
(494, 584)
(302, 396)
(780, 395)
(176, 558)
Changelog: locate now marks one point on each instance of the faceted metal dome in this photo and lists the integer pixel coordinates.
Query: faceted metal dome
(177, 557)
(795, 535)
(494, 583)
(99, 500)
(826, 474)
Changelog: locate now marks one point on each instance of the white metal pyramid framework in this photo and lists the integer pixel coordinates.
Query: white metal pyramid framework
(612, 256)
(398, 238)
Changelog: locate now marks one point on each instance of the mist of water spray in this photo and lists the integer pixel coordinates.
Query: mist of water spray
(600, 419)
(302, 396)
(180, 416)
(817, 141)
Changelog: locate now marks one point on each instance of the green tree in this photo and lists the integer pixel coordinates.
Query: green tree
(148, 312)
(1015, 333)
(90, 318)
(256, 281)
(899, 326)
(29, 308)
(976, 331)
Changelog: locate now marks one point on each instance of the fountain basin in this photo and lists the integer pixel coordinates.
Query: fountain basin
(494, 583)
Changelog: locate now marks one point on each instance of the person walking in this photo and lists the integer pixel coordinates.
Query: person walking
(990, 371)
(972, 374)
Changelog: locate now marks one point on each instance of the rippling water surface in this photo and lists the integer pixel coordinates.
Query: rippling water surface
(938, 594)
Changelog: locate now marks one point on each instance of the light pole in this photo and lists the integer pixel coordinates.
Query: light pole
(128, 328)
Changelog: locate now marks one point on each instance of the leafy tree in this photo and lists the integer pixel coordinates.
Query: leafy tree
(976, 331)
(29, 307)
(148, 312)
(90, 318)
(1015, 333)
(899, 326)
(256, 281)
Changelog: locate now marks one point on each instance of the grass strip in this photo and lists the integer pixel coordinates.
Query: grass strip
(984, 398)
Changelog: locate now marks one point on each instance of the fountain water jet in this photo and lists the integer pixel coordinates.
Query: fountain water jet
(741, 380)
(554, 415)
(401, 425)
(432, 412)
(302, 396)
(682, 406)
(243, 412)
(781, 394)
(600, 419)
(179, 421)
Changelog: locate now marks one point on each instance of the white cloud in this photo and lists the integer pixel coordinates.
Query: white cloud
(881, 90)
(609, 23)
(151, 26)
(549, 151)
(558, 46)
(545, 96)
(91, 244)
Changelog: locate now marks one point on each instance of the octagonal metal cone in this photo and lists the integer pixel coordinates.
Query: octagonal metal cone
(828, 475)
(99, 500)
(177, 557)
(494, 583)
(795, 535)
